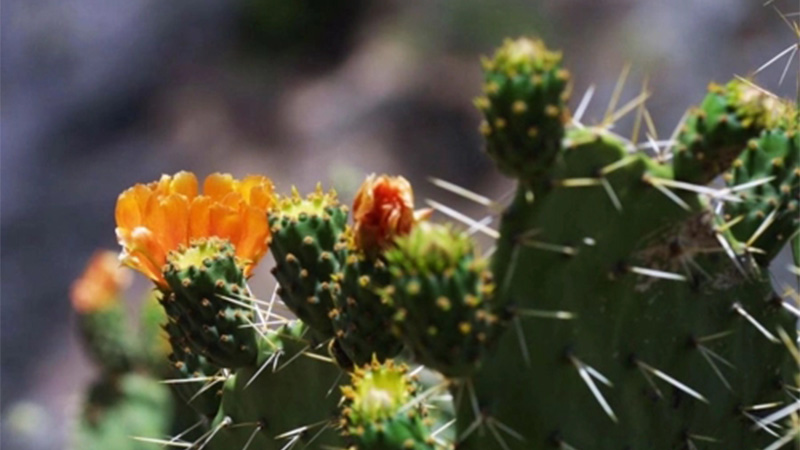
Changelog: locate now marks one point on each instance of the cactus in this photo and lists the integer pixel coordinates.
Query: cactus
(305, 236)
(375, 411)
(627, 303)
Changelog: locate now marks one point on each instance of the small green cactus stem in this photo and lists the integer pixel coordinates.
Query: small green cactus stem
(209, 302)
(375, 412)
(118, 409)
(524, 107)
(769, 214)
(107, 336)
(194, 379)
(288, 396)
(305, 238)
(442, 290)
(716, 132)
(364, 317)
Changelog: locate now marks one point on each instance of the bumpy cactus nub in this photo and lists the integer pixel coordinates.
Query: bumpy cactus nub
(207, 288)
(443, 294)
(378, 412)
(305, 239)
(524, 106)
(769, 212)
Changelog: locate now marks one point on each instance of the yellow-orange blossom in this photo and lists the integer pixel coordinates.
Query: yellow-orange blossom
(156, 218)
(383, 210)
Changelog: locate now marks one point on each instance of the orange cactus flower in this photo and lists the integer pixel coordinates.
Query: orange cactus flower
(384, 209)
(100, 284)
(156, 218)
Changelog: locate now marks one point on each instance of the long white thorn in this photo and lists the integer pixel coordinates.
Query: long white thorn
(252, 437)
(758, 425)
(510, 431)
(587, 378)
(486, 221)
(541, 314)
(163, 442)
(204, 389)
(261, 369)
(672, 381)
(714, 367)
(657, 273)
(497, 436)
(785, 439)
(224, 423)
(442, 428)
(696, 188)
(463, 192)
(189, 380)
(452, 213)
(293, 358)
(523, 344)
(563, 249)
(617, 93)
(673, 138)
(581, 109)
(749, 184)
(780, 414)
(317, 434)
(628, 107)
(761, 329)
(300, 430)
(292, 442)
(769, 220)
(611, 194)
(792, 48)
(672, 196)
(731, 254)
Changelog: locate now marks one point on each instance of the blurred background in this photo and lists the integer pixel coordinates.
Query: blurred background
(98, 95)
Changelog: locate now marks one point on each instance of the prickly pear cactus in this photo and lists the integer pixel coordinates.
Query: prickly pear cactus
(638, 322)
(627, 303)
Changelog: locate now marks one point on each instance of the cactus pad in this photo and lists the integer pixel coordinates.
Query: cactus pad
(305, 236)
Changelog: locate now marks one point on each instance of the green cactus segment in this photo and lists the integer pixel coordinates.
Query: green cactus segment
(716, 132)
(441, 291)
(107, 336)
(305, 238)
(618, 312)
(364, 316)
(118, 409)
(769, 214)
(524, 107)
(196, 381)
(209, 302)
(268, 404)
(375, 410)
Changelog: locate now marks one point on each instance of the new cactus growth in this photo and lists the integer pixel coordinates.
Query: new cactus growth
(713, 134)
(209, 302)
(627, 305)
(768, 214)
(443, 294)
(364, 319)
(526, 90)
(376, 412)
(305, 236)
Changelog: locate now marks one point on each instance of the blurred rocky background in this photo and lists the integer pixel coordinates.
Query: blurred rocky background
(98, 95)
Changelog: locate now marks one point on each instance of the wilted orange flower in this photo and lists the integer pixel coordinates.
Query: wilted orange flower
(384, 209)
(156, 218)
(100, 284)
